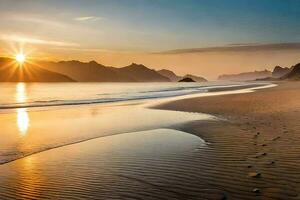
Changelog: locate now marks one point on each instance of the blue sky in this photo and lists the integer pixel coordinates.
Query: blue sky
(204, 37)
(153, 25)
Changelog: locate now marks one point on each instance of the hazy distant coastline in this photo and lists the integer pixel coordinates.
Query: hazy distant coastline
(278, 73)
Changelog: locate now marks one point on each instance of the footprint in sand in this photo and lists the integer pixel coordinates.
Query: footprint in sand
(254, 174)
(261, 155)
(249, 166)
(271, 162)
(256, 135)
(256, 190)
(276, 138)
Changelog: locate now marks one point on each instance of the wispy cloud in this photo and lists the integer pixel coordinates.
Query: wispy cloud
(38, 41)
(82, 49)
(238, 47)
(91, 50)
(39, 20)
(88, 18)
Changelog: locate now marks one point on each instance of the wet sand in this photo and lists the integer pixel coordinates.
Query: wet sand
(138, 165)
(254, 152)
(26, 131)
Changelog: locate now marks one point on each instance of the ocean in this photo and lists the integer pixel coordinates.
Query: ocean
(35, 117)
(24, 95)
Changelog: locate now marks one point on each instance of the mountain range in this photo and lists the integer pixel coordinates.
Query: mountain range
(70, 71)
(66, 71)
(95, 72)
(175, 78)
(246, 76)
(278, 73)
(294, 73)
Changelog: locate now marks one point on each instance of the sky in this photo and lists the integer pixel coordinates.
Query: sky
(204, 37)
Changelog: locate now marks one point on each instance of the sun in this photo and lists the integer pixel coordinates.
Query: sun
(20, 58)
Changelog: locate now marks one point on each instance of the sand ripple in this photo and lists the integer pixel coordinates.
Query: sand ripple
(158, 164)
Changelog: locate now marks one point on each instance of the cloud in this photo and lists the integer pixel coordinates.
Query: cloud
(37, 20)
(87, 18)
(91, 50)
(30, 40)
(238, 47)
(83, 49)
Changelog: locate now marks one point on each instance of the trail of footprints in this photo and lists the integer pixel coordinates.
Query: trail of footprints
(261, 154)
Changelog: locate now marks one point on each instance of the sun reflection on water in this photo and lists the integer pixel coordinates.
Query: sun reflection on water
(22, 114)
(22, 121)
(21, 95)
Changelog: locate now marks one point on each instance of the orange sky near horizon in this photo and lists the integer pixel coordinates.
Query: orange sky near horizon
(207, 64)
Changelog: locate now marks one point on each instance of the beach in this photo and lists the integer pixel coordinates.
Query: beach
(150, 100)
(259, 134)
(244, 146)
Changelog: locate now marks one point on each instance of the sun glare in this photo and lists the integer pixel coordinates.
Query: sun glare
(20, 58)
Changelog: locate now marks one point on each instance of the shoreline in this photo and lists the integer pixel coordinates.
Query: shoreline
(215, 92)
(259, 136)
(146, 106)
(81, 102)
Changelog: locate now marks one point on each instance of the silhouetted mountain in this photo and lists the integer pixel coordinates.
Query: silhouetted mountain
(280, 71)
(169, 74)
(95, 72)
(10, 71)
(87, 72)
(186, 80)
(173, 77)
(246, 76)
(195, 78)
(140, 73)
(294, 74)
